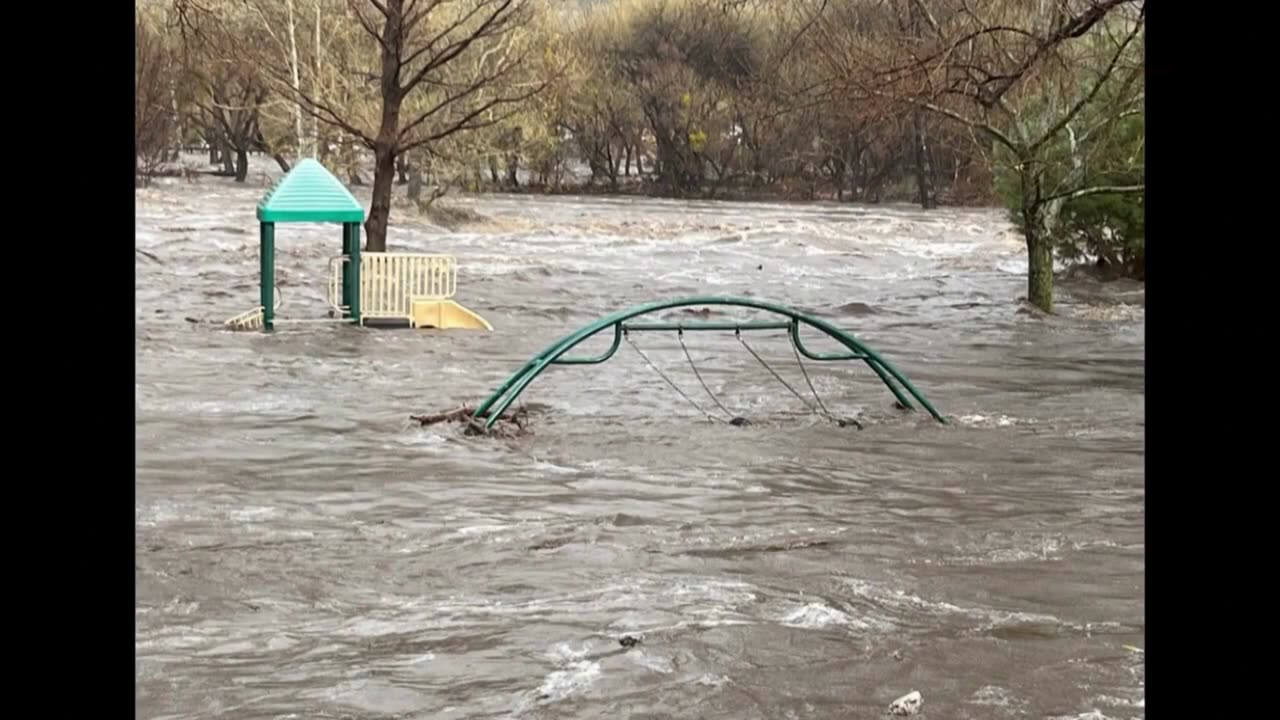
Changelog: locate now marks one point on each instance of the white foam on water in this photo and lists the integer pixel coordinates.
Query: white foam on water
(543, 465)
(424, 439)
(575, 673)
(817, 615)
(253, 513)
(475, 530)
(1114, 701)
(409, 660)
(656, 663)
(994, 695)
(710, 680)
(977, 420)
(372, 696)
(373, 627)
(234, 647)
(280, 642)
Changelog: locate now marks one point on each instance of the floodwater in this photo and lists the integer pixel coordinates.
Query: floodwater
(304, 550)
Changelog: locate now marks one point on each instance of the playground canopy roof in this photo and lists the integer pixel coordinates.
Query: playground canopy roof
(310, 193)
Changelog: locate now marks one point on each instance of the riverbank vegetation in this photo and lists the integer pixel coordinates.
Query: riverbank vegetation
(1033, 104)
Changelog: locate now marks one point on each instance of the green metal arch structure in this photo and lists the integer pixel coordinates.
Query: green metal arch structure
(497, 403)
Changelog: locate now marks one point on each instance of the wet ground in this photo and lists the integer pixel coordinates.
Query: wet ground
(304, 550)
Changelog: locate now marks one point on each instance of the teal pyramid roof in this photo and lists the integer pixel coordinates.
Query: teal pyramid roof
(310, 193)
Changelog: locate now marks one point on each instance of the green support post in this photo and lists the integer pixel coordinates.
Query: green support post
(346, 267)
(354, 266)
(267, 258)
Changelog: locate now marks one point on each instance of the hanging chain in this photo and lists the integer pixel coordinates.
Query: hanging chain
(809, 382)
(663, 375)
(714, 399)
(816, 410)
(819, 409)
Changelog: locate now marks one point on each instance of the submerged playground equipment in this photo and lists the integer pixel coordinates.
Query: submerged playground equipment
(621, 323)
(395, 289)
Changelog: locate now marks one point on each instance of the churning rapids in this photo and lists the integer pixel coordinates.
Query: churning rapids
(304, 550)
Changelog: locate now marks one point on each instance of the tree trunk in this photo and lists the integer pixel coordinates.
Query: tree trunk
(513, 168)
(295, 76)
(926, 194)
(242, 165)
(384, 174)
(385, 147)
(493, 169)
(626, 168)
(282, 161)
(316, 150)
(613, 160)
(228, 162)
(415, 184)
(1039, 259)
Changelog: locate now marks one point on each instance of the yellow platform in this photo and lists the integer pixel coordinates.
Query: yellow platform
(444, 315)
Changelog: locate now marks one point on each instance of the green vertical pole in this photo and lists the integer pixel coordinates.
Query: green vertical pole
(267, 258)
(346, 266)
(355, 272)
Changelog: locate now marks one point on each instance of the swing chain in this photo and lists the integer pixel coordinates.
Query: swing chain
(627, 336)
(732, 418)
(821, 409)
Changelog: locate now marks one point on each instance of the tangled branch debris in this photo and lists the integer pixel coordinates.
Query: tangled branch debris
(511, 425)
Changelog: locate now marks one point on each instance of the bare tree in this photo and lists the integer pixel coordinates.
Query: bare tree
(154, 119)
(1038, 83)
(443, 68)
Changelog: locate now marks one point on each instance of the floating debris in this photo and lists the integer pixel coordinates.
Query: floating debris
(629, 641)
(908, 704)
(512, 425)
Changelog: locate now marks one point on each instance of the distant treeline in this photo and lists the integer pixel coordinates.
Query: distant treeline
(1036, 104)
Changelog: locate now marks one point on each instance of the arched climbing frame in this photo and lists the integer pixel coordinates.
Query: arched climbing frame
(497, 403)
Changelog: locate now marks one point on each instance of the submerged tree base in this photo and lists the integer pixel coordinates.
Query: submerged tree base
(1040, 273)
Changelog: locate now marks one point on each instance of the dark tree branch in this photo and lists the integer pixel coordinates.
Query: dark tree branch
(1075, 27)
(322, 111)
(494, 24)
(413, 18)
(368, 26)
(1093, 92)
(467, 121)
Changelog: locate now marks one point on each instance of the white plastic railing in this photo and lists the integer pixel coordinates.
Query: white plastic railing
(336, 266)
(247, 320)
(390, 282)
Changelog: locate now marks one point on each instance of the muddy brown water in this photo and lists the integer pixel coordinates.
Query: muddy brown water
(305, 551)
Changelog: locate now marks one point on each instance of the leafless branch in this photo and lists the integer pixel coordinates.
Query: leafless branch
(1098, 190)
(367, 24)
(468, 121)
(1093, 92)
(473, 86)
(494, 24)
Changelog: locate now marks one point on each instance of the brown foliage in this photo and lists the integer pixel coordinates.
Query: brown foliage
(153, 116)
